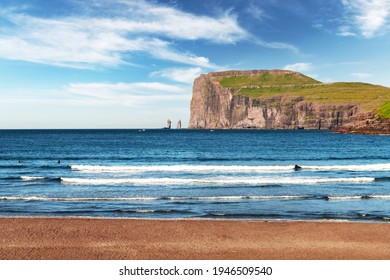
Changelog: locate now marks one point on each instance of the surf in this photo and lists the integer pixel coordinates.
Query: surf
(216, 181)
(228, 168)
(182, 168)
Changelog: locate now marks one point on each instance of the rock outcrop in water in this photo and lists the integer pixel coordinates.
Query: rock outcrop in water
(281, 99)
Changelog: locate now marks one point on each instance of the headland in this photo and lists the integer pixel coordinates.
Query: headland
(283, 99)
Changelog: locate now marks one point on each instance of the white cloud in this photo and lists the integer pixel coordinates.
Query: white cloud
(173, 23)
(369, 16)
(318, 26)
(185, 58)
(345, 31)
(86, 40)
(277, 45)
(127, 94)
(255, 12)
(361, 75)
(183, 75)
(299, 67)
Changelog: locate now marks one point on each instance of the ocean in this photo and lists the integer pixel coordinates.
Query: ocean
(195, 174)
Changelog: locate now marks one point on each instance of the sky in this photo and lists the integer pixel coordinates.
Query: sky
(131, 63)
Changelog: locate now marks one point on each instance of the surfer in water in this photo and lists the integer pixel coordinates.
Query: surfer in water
(297, 167)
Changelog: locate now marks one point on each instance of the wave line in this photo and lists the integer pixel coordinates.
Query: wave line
(228, 168)
(85, 199)
(224, 181)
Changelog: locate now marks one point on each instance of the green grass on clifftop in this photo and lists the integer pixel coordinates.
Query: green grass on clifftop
(368, 96)
(295, 86)
(331, 92)
(384, 111)
(267, 79)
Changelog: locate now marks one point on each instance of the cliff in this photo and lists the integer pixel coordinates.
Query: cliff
(281, 99)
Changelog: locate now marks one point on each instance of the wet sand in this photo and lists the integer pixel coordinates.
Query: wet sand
(90, 239)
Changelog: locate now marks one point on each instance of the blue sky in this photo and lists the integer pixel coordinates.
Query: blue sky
(131, 63)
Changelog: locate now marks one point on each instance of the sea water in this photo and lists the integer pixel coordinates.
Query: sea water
(195, 174)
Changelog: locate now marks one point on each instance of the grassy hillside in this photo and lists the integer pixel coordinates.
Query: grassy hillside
(267, 79)
(384, 111)
(292, 85)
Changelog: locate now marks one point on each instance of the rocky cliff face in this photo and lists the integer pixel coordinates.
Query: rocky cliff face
(369, 123)
(216, 107)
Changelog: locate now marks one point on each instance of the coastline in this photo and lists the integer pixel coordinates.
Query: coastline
(75, 238)
(341, 130)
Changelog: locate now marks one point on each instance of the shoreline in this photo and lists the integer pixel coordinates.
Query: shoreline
(203, 219)
(86, 238)
(341, 130)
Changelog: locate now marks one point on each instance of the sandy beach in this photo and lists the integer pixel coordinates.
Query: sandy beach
(82, 238)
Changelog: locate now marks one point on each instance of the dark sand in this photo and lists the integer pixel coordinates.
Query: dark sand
(76, 238)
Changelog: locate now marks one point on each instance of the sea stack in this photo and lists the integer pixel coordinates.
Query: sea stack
(169, 123)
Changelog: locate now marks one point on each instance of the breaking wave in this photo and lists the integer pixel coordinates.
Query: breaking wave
(217, 181)
(32, 178)
(85, 199)
(357, 197)
(182, 168)
(184, 198)
(362, 167)
(228, 168)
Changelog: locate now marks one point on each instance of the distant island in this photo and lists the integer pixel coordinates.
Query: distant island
(282, 99)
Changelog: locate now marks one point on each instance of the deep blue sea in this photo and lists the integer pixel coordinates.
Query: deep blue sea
(201, 174)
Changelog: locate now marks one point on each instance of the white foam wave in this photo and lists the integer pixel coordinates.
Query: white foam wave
(344, 197)
(362, 167)
(216, 181)
(252, 197)
(355, 197)
(32, 178)
(183, 168)
(84, 199)
(379, 196)
(76, 199)
(144, 211)
(183, 198)
(228, 168)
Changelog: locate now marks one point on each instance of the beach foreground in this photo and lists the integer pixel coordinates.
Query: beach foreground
(84, 238)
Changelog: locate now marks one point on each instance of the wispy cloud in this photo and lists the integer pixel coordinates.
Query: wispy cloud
(368, 16)
(277, 45)
(85, 94)
(183, 75)
(345, 31)
(126, 94)
(90, 39)
(255, 11)
(361, 75)
(107, 33)
(299, 67)
(144, 17)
